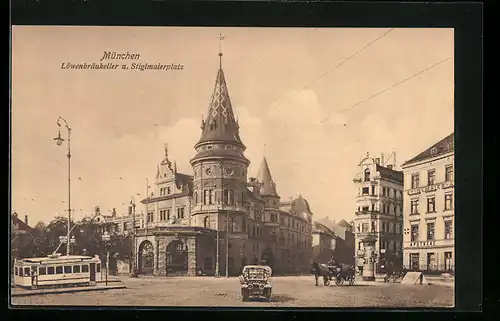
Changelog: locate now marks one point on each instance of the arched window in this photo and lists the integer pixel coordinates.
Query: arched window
(206, 222)
(367, 175)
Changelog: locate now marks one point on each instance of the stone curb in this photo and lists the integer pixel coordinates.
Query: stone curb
(68, 290)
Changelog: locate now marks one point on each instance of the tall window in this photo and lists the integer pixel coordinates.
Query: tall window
(228, 197)
(414, 206)
(180, 212)
(431, 177)
(373, 190)
(206, 222)
(448, 230)
(414, 232)
(168, 190)
(168, 214)
(448, 201)
(365, 209)
(367, 175)
(415, 181)
(206, 197)
(212, 196)
(163, 215)
(449, 173)
(431, 204)
(150, 217)
(365, 191)
(430, 231)
(364, 227)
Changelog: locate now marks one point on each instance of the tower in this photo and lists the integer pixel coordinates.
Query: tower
(220, 167)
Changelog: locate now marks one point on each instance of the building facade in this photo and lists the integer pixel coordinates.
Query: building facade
(218, 220)
(429, 208)
(379, 208)
(344, 248)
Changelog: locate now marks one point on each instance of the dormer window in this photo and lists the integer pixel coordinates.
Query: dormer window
(434, 151)
(367, 175)
(450, 146)
(213, 125)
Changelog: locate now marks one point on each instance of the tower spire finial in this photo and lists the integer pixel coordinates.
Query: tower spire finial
(221, 38)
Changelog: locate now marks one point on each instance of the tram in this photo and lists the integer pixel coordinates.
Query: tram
(57, 271)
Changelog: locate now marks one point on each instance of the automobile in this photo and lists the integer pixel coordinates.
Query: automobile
(256, 282)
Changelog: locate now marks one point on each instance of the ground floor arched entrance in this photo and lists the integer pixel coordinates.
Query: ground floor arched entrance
(177, 257)
(145, 258)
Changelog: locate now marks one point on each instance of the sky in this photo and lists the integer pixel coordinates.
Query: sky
(312, 123)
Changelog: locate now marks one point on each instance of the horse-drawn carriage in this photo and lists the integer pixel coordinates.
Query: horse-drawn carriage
(339, 273)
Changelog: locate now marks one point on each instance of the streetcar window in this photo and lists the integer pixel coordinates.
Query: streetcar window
(27, 271)
(67, 269)
(85, 268)
(98, 267)
(15, 271)
(59, 270)
(50, 270)
(42, 270)
(20, 271)
(76, 269)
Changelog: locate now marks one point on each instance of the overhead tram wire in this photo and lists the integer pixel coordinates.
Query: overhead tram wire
(348, 58)
(344, 61)
(393, 86)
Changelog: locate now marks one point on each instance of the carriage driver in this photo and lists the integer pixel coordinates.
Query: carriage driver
(332, 264)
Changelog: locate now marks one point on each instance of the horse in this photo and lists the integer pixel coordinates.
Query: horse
(318, 271)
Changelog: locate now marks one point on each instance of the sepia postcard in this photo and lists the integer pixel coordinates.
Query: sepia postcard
(232, 167)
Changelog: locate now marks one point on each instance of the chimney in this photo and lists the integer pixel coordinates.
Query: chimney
(382, 158)
(113, 212)
(26, 219)
(377, 161)
(130, 210)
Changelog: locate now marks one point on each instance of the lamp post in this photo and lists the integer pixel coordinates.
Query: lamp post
(134, 267)
(217, 272)
(105, 238)
(59, 140)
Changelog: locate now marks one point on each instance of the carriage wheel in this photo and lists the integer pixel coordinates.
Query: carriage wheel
(326, 281)
(339, 281)
(351, 280)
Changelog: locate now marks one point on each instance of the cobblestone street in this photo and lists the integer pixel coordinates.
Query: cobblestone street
(287, 292)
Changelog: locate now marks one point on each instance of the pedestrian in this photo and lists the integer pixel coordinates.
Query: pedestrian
(33, 278)
(361, 264)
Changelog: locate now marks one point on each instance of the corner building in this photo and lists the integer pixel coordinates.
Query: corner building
(379, 211)
(429, 215)
(219, 205)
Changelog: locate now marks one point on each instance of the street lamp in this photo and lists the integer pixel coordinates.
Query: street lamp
(59, 140)
(105, 238)
(134, 265)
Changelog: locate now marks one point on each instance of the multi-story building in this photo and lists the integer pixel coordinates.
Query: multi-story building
(379, 208)
(323, 242)
(217, 220)
(428, 208)
(344, 247)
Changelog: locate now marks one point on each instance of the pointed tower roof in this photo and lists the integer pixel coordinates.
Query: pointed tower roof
(264, 177)
(220, 125)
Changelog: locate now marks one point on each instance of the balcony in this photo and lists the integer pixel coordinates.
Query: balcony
(366, 197)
